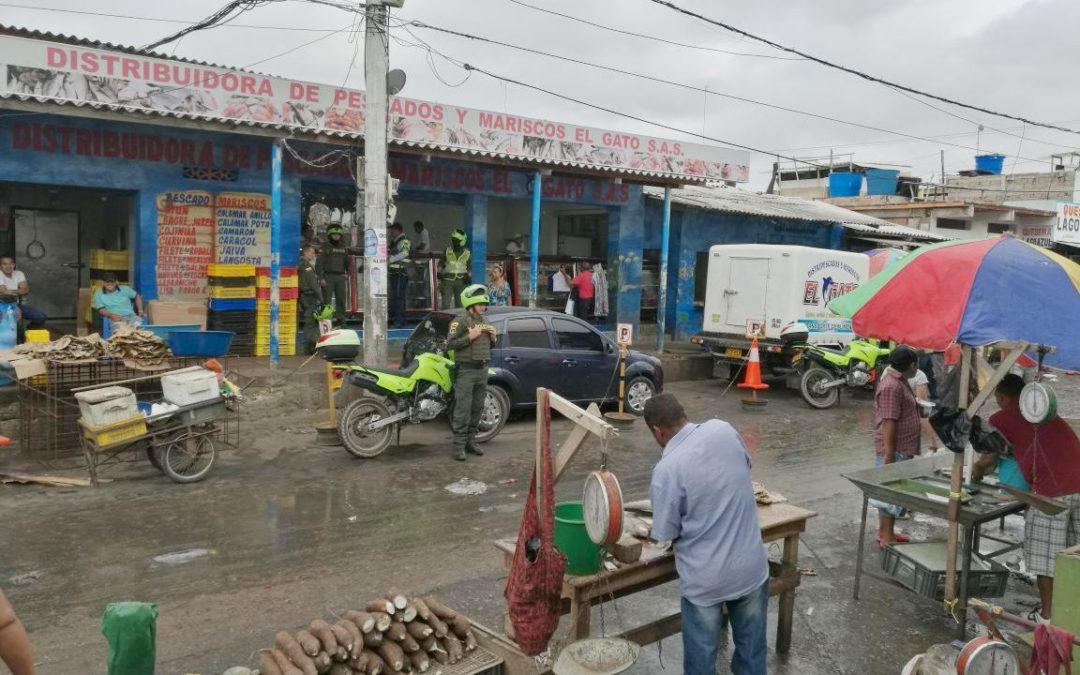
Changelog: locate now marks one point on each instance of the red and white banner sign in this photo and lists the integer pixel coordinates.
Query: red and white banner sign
(74, 73)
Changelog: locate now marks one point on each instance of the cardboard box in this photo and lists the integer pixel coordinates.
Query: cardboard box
(177, 312)
(25, 367)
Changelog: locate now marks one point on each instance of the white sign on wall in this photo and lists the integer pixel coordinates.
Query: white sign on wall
(624, 334)
(1067, 227)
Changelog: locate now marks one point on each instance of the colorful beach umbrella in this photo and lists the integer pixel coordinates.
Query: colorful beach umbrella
(973, 292)
(880, 258)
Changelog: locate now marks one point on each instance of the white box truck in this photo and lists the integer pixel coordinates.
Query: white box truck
(760, 288)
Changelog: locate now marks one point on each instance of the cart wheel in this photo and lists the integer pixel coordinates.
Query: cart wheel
(188, 457)
(152, 454)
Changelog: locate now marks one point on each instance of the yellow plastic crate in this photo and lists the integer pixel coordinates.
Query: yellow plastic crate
(283, 350)
(117, 432)
(116, 261)
(283, 282)
(231, 293)
(223, 270)
(37, 336)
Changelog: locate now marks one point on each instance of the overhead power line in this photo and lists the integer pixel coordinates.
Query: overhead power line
(158, 19)
(655, 37)
(220, 16)
(859, 73)
(683, 85)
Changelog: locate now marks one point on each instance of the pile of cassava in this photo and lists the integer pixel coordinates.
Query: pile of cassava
(395, 634)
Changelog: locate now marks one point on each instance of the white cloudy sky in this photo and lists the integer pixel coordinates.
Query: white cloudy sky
(1015, 56)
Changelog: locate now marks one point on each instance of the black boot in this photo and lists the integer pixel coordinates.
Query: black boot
(459, 454)
(474, 449)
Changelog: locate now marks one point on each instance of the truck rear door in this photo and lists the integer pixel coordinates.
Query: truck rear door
(745, 293)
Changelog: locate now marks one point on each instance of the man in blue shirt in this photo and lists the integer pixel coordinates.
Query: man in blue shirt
(703, 501)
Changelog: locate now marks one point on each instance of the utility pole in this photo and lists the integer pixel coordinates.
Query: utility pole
(376, 56)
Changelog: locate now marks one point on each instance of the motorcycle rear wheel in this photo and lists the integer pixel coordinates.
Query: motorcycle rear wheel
(813, 378)
(352, 423)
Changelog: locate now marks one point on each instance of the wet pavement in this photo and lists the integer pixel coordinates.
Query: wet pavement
(284, 531)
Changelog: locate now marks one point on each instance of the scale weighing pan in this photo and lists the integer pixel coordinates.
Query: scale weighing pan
(597, 656)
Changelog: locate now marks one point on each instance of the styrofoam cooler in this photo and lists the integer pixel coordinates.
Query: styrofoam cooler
(190, 386)
(107, 405)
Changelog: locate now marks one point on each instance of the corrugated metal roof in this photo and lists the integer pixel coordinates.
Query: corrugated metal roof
(735, 200)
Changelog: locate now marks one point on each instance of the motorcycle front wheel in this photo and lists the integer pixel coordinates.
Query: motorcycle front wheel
(813, 394)
(353, 423)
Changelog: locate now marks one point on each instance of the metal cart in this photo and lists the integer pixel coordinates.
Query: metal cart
(181, 443)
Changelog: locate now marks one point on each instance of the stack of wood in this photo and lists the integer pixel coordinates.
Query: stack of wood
(391, 635)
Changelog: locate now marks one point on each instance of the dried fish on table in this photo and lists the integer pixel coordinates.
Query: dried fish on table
(140, 347)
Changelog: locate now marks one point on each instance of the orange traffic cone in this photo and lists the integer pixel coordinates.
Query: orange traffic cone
(752, 380)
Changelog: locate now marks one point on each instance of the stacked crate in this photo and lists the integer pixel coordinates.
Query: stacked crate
(288, 295)
(232, 304)
(103, 262)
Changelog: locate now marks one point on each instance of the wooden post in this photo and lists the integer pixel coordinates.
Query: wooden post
(956, 480)
(543, 426)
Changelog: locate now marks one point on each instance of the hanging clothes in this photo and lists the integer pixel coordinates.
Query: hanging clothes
(601, 304)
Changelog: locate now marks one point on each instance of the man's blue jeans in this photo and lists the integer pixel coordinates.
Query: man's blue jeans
(702, 627)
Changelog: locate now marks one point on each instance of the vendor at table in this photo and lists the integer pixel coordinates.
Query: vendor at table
(116, 302)
(703, 501)
(1048, 456)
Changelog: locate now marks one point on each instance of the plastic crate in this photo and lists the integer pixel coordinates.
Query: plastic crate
(223, 270)
(921, 568)
(283, 350)
(230, 282)
(98, 275)
(282, 271)
(284, 293)
(38, 336)
(106, 405)
(232, 304)
(231, 293)
(206, 413)
(109, 260)
(200, 343)
(117, 432)
(283, 282)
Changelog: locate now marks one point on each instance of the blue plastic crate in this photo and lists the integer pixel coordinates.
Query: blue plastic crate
(232, 304)
(200, 343)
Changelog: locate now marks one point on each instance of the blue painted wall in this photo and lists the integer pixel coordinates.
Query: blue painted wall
(695, 231)
(146, 159)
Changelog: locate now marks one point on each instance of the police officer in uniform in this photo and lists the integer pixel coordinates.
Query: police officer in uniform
(400, 247)
(470, 337)
(310, 297)
(333, 268)
(455, 270)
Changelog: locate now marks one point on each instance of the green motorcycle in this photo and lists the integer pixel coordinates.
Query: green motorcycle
(825, 371)
(420, 392)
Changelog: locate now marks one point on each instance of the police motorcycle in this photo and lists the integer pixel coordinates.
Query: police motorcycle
(825, 371)
(419, 392)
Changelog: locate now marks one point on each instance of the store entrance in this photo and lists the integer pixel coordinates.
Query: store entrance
(51, 230)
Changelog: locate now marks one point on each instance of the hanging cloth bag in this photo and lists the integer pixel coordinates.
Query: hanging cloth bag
(534, 586)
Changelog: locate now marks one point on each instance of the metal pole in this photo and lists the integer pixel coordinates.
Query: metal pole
(534, 237)
(622, 377)
(275, 249)
(665, 245)
(376, 55)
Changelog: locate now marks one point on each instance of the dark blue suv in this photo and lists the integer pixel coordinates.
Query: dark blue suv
(541, 348)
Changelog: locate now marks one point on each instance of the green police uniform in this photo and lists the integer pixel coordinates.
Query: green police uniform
(398, 279)
(454, 274)
(333, 268)
(310, 300)
(470, 381)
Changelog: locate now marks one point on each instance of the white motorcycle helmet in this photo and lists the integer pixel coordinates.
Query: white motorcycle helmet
(795, 331)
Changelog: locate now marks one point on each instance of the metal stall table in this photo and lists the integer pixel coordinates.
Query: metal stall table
(778, 522)
(878, 483)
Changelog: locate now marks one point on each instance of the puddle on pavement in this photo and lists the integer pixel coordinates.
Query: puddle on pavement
(467, 486)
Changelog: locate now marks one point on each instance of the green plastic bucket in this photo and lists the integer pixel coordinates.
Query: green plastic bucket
(571, 537)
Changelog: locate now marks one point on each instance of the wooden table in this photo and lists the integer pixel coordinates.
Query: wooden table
(580, 593)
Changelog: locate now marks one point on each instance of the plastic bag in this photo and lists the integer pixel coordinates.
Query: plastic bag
(985, 438)
(569, 305)
(952, 426)
(131, 631)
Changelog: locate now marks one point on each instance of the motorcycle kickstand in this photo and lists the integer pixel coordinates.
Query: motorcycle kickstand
(398, 442)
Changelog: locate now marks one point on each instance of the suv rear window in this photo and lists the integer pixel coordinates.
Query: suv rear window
(528, 334)
(571, 335)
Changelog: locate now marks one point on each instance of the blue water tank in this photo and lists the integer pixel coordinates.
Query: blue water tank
(881, 181)
(991, 164)
(845, 184)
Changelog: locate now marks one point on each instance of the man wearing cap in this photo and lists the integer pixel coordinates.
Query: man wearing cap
(333, 268)
(454, 274)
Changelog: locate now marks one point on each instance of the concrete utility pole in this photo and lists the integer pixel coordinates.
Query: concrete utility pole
(376, 56)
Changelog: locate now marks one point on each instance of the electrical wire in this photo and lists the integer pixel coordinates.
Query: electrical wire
(158, 19)
(654, 37)
(858, 73)
(682, 85)
(223, 15)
